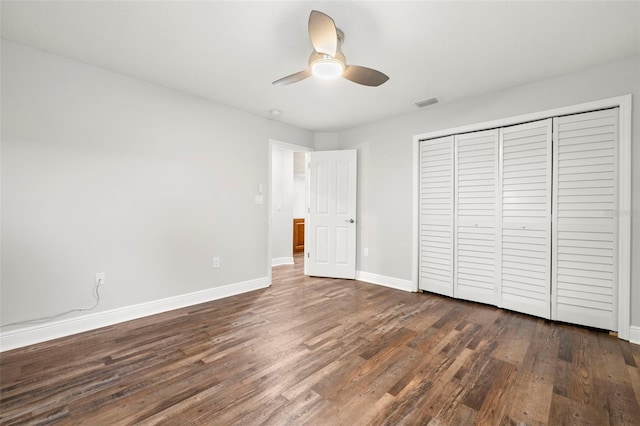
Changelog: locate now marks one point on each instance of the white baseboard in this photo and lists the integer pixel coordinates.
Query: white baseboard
(282, 261)
(42, 332)
(634, 334)
(397, 283)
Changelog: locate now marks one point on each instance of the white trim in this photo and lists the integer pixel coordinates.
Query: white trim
(552, 233)
(455, 219)
(499, 218)
(634, 334)
(624, 218)
(39, 333)
(395, 283)
(282, 261)
(276, 144)
(415, 252)
(618, 101)
(286, 146)
(624, 167)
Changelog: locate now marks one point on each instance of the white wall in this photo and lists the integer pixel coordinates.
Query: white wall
(326, 141)
(106, 173)
(385, 188)
(299, 184)
(282, 206)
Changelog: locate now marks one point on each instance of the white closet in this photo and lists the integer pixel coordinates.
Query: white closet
(521, 217)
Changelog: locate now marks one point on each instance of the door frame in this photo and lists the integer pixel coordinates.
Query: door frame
(277, 144)
(624, 189)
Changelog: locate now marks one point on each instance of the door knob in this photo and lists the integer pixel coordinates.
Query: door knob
(349, 220)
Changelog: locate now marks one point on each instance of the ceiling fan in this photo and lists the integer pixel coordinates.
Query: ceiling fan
(327, 60)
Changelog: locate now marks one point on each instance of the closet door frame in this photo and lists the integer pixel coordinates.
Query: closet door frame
(623, 267)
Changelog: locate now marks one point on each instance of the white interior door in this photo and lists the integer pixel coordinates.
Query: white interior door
(585, 224)
(476, 194)
(436, 215)
(331, 228)
(525, 212)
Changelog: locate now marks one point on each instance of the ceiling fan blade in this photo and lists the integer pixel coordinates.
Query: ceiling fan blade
(323, 33)
(365, 76)
(293, 78)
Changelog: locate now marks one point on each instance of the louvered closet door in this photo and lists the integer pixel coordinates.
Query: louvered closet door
(585, 238)
(436, 215)
(525, 205)
(476, 184)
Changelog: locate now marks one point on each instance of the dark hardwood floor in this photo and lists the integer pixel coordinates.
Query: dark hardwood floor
(326, 352)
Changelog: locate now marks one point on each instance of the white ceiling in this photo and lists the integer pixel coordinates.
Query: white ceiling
(231, 51)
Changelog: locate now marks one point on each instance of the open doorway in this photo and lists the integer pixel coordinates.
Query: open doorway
(299, 201)
(288, 202)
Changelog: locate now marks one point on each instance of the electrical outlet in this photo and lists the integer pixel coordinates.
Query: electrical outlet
(216, 262)
(100, 278)
(366, 252)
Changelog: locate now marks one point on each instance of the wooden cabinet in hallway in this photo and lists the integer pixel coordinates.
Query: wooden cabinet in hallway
(298, 235)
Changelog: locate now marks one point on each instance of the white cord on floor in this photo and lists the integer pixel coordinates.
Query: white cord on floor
(96, 295)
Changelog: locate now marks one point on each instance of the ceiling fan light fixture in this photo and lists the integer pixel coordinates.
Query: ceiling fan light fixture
(327, 68)
(327, 60)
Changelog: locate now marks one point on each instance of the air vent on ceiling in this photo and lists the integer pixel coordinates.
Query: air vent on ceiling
(426, 102)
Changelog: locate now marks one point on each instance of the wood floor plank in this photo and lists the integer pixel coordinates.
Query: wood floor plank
(477, 392)
(325, 351)
(562, 378)
(444, 400)
(634, 375)
(520, 336)
(581, 385)
(494, 408)
(407, 405)
(566, 411)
